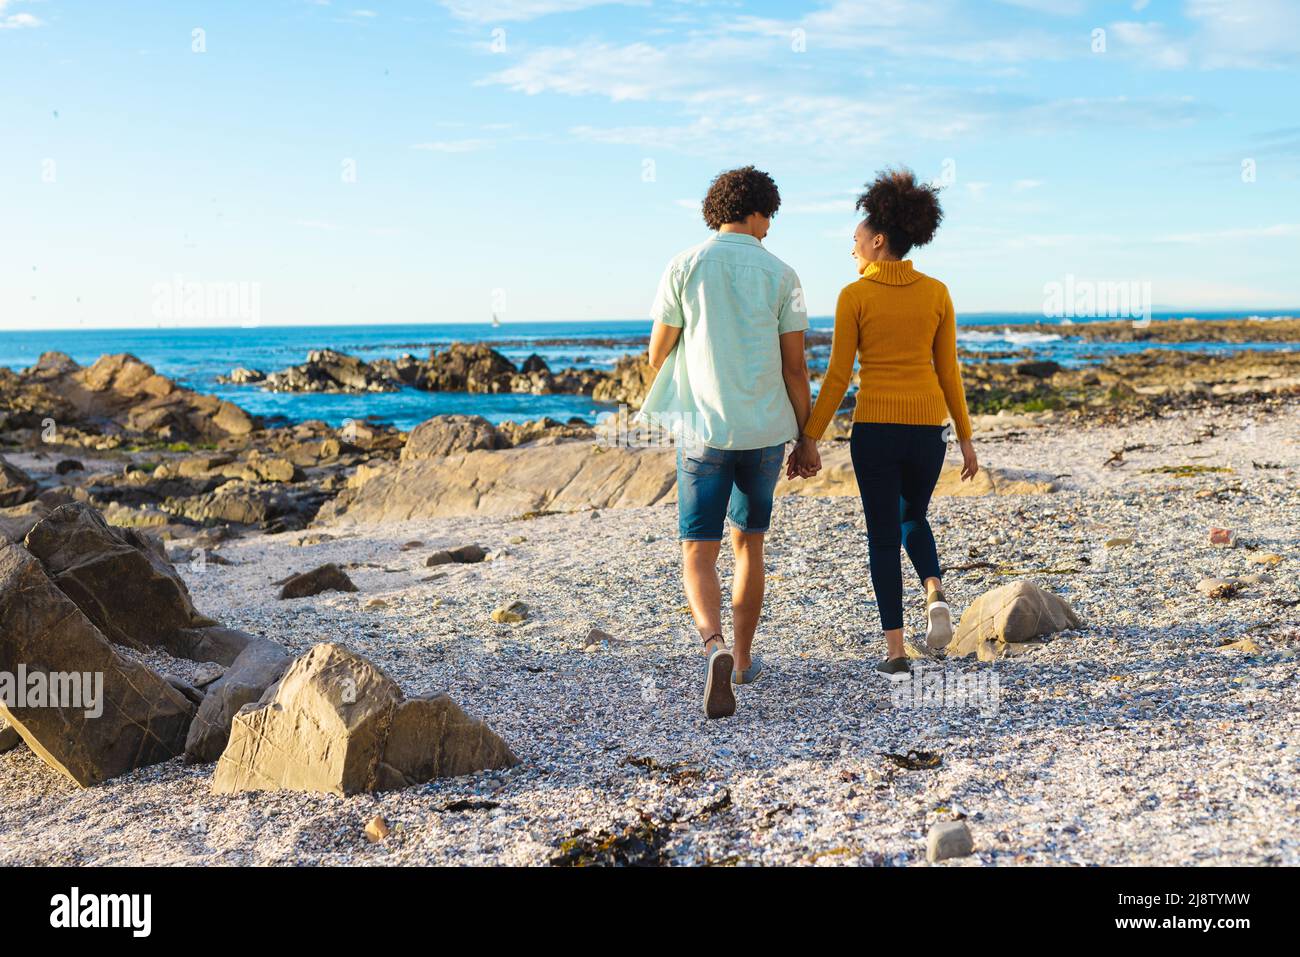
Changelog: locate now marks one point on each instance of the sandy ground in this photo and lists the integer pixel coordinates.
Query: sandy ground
(1134, 740)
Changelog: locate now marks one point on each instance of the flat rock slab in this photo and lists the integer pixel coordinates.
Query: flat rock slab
(579, 476)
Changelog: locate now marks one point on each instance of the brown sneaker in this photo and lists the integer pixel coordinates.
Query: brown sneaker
(719, 699)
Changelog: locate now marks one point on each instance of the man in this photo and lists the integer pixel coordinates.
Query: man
(732, 383)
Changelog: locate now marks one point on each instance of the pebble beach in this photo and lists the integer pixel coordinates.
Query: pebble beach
(1165, 730)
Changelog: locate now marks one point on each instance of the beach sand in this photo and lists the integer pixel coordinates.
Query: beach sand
(1133, 740)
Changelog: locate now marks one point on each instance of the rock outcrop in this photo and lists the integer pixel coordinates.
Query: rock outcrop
(569, 476)
(337, 724)
(442, 435)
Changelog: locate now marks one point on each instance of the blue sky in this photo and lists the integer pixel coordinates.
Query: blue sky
(545, 158)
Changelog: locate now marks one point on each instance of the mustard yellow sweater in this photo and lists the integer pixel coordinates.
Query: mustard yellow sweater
(902, 327)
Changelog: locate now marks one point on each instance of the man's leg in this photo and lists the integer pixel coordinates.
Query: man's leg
(746, 593)
(750, 510)
(704, 590)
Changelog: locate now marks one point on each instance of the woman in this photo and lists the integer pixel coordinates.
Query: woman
(901, 326)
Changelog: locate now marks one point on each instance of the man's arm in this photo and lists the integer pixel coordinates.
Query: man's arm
(794, 369)
(663, 340)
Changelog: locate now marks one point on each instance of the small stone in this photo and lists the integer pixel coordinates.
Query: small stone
(376, 603)
(1116, 542)
(376, 829)
(596, 637)
(1220, 588)
(1245, 644)
(410, 546)
(510, 614)
(326, 578)
(947, 840)
(1269, 558)
(1221, 536)
(517, 539)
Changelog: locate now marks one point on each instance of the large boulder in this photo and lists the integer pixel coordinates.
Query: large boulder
(337, 724)
(124, 583)
(444, 434)
(143, 720)
(119, 578)
(16, 486)
(1008, 620)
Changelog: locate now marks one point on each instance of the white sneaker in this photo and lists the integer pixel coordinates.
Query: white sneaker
(939, 632)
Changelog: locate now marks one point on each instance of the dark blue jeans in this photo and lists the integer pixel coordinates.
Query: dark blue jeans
(897, 467)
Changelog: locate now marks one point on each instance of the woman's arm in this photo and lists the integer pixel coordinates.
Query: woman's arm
(949, 372)
(954, 393)
(844, 349)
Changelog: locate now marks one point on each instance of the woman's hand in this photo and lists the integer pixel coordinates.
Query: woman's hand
(805, 461)
(969, 464)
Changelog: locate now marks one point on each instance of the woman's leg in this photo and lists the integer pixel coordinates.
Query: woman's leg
(876, 469)
(919, 473)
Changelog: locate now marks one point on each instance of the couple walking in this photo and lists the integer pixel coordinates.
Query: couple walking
(732, 381)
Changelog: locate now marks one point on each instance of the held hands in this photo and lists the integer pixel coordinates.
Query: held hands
(805, 461)
(969, 464)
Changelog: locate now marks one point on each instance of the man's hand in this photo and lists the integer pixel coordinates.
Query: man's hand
(969, 464)
(805, 461)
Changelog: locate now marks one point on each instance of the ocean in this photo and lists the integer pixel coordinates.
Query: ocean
(195, 357)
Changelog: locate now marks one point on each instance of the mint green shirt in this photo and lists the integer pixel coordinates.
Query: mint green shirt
(722, 385)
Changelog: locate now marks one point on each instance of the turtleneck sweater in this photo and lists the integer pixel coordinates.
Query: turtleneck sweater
(901, 326)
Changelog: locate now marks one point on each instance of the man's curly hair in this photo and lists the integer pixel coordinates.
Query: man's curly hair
(736, 193)
(907, 212)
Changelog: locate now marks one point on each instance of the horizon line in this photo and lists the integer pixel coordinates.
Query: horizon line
(1239, 312)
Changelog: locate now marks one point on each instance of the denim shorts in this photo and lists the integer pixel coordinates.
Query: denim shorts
(731, 483)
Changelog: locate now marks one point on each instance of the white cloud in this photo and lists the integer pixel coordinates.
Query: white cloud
(1021, 185)
(1247, 33)
(17, 21)
(1151, 42)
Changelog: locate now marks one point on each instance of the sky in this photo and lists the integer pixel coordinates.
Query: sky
(303, 161)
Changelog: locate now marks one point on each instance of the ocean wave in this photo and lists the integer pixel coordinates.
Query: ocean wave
(1009, 336)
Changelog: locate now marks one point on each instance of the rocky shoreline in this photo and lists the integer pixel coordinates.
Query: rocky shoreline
(191, 468)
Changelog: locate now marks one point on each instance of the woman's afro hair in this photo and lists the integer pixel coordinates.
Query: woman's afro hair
(907, 212)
